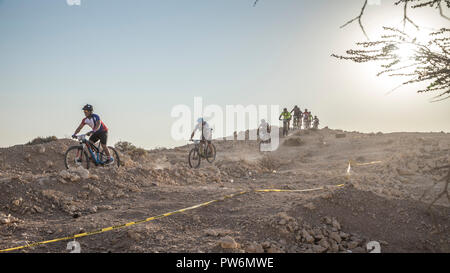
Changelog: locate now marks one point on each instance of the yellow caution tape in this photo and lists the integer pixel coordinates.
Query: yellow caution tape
(154, 217)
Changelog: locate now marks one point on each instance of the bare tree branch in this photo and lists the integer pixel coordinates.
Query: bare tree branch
(427, 63)
(359, 17)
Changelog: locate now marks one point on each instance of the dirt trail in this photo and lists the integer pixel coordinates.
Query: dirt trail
(40, 200)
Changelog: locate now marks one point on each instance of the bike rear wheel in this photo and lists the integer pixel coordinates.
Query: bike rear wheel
(75, 156)
(210, 153)
(194, 158)
(285, 128)
(114, 154)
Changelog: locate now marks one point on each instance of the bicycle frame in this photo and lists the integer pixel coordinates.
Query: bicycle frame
(86, 144)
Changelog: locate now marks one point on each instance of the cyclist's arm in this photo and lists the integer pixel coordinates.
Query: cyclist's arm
(193, 132)
(79, 128)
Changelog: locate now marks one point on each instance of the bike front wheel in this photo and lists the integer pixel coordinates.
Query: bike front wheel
(210, 153)
(194, 158)
(75, 157)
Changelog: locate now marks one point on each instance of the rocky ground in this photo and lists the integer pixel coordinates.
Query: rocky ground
(383, 202)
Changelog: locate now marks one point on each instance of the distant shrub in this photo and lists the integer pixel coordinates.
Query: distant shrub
(41, 140)
(124, 146)
(269, 162)
(294, 141)
(137, 153)
(130, 149)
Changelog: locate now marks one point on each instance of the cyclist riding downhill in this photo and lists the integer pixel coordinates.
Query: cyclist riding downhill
(99, 131)
(264, 131)
(306, 119)
(316, 123)
(206, 131)
(310, 119)
(286, 118)
(297, 117)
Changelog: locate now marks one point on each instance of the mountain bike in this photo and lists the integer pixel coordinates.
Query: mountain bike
(87, 152)
(316, 125)
(285, 127)
(199, 151)
(296, 123)
(306, 123)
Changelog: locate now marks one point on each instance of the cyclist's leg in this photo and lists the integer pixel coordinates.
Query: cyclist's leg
(93, 139)
(103, 141)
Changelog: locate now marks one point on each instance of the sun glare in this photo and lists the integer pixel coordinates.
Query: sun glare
(405, 52)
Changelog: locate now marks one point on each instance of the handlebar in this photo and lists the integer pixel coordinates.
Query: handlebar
(80, 137)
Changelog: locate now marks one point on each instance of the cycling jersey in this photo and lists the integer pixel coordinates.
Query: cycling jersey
(207, 134)
(286, 115)
(297, 112)
(92, 120)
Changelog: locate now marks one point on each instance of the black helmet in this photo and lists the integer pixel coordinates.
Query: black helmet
(88, 107)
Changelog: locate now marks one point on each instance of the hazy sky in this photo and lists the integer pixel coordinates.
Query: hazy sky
(135, 60)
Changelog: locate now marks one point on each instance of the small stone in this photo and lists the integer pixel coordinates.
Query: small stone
(334, 246)
(82, 172)
(105, 207)
(49, 164)
(318, 249)
(228, 243)
(310, 206)
(323, 243)
(327, 220)
(38, 209)
(217, 232)
(17, 202)
(94, 177)
(274, 249)
(359, 250)
(266, 244)
(336, 224)
(27, 158)
(344, 235)
(352, 244)
(74, 178)
(308, 238)
(134, 235)
(254, 248)
(335, 236)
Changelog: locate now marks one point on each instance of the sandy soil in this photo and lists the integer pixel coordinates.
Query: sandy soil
(380, 202)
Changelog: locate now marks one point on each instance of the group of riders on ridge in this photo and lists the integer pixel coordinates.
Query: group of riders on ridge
(99, 130)
(299, 118)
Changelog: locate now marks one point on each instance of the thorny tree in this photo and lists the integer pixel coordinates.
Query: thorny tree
(427, 63)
